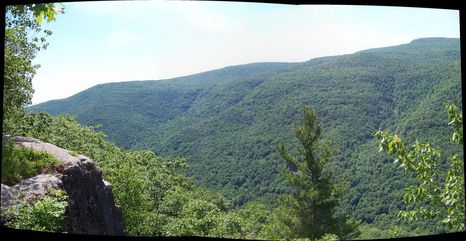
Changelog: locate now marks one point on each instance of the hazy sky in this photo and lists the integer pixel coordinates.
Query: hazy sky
(99, 42)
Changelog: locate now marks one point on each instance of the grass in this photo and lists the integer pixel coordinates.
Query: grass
(21, 162)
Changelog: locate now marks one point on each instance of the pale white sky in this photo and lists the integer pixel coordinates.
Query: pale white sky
(101, 42)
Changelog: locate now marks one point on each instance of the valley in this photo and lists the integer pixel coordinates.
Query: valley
(226, 122)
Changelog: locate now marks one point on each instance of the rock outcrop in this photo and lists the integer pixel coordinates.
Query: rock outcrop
(30, 188)
(91, 205)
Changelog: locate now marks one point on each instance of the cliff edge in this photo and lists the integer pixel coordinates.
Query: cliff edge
(91, 205)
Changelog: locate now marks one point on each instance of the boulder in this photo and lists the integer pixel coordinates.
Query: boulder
(91, 204)
(29, 190)
(32, 187)
(8, 194)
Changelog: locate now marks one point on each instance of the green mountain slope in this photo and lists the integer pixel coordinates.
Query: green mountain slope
(225, 122)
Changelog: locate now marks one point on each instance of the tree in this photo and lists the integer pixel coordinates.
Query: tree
(315, 194)
(437, 193)
(22, 24)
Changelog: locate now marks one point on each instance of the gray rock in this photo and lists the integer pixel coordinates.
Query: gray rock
(91, 205)
(8, 194)
(38, 185)
(29, 190)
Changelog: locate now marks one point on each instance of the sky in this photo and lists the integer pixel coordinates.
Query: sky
(102, 42)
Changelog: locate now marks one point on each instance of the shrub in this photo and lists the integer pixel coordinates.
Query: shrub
(46, 214)
(22, 162)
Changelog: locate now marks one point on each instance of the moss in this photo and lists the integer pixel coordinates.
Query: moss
(73, 153)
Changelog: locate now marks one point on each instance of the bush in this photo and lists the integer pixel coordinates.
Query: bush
(46, 214)
(21, 162)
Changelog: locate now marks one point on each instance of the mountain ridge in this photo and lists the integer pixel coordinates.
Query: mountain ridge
(225, 122)
(427, 40)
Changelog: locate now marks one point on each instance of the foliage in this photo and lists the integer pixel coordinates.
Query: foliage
(22, 25)
(396, 232)
(254, 217)
(45, 214)
(316, 193)
(157, 199)
(329, 237)
(136, 177)
(373, 232)
(435, 193)
(282, 222)
(224, 122)
(22, 162)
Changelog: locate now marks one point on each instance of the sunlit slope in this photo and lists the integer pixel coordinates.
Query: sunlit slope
(226, 121)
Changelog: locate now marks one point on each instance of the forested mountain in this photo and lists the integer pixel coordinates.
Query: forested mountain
(226, 122)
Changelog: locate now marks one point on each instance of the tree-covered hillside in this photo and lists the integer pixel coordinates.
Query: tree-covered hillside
(226, 122)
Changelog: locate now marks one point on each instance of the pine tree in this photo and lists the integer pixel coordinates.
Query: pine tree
(315, 192)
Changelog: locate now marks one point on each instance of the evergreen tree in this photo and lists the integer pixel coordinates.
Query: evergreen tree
(315, 195)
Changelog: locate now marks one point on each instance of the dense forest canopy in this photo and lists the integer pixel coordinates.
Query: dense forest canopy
(226, 122)
(233, 153)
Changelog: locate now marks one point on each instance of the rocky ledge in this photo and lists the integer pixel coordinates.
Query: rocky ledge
(91, 204)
